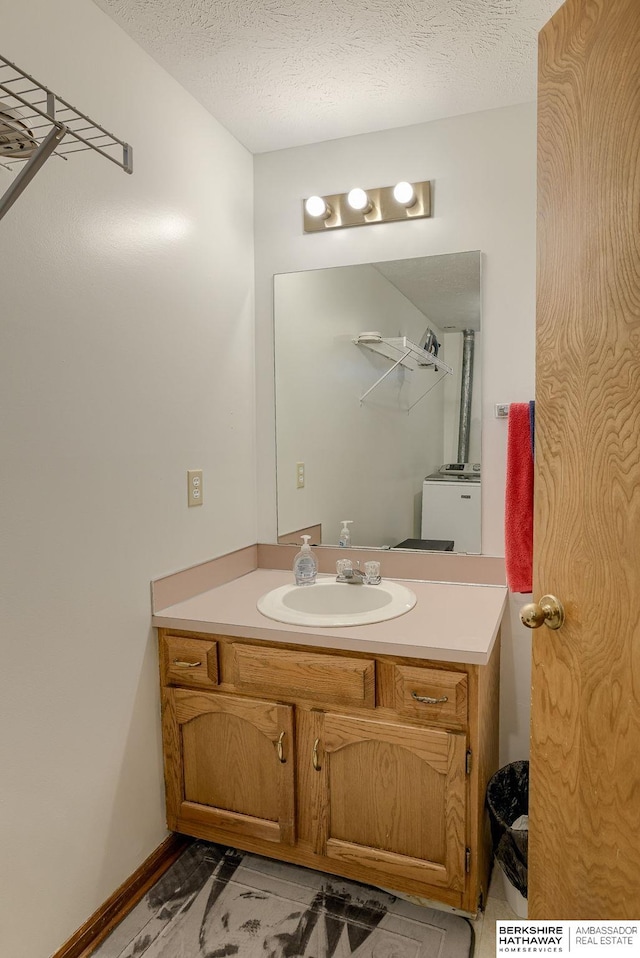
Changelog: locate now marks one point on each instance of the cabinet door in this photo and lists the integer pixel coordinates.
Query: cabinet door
(229, 764)
(393, 797)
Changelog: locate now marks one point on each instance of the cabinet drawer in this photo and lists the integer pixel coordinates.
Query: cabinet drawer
(330, 679)
(191, 662)
(447, 689)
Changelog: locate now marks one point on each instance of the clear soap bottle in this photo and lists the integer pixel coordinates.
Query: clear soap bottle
(305, 564)
(345, 536)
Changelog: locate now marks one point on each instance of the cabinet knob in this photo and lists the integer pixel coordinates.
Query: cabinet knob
(314, 756)
(280, 748)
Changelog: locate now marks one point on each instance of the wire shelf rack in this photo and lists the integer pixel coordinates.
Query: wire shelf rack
(402, 352)
(35, 123)
(41, 109)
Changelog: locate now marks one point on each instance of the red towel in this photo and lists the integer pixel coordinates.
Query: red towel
(518, 516)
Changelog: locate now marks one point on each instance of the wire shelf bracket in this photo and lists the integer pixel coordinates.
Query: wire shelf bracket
(36, 123)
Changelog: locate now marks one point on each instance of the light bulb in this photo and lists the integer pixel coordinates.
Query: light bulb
(358, 200)
(404, 193)
(316, 206)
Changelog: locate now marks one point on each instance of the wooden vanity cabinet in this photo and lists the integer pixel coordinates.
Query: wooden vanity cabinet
(370, 767)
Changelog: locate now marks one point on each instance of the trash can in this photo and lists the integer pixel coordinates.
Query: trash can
(508, 803)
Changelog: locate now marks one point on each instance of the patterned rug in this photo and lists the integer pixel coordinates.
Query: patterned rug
(217, 902)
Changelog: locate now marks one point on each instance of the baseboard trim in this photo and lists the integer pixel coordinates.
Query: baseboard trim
(113, 910)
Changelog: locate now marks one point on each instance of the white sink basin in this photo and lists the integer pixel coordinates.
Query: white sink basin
(329, 604)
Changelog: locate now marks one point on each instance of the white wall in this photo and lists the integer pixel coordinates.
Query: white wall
(483, 169)
(320, 377)
(126, 357)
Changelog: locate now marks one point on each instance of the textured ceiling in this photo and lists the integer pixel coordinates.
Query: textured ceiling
(281, 73)
(445, 288)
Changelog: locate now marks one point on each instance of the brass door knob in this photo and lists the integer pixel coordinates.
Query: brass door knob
(548, 611)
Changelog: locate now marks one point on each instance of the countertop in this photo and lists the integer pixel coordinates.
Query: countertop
(451, 622)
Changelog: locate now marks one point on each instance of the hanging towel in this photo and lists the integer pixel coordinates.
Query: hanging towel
(518, 518)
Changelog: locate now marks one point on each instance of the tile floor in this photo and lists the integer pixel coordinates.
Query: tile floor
(497, 909)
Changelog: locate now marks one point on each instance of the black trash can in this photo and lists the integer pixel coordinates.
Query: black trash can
(508, 800)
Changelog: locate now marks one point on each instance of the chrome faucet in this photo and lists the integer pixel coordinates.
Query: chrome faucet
(351, 576)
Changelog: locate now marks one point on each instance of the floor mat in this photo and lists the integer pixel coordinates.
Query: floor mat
(217, 902)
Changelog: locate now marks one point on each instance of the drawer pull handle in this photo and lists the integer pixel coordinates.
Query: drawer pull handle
(314, 756)
(186, 665)
(427, 700)
(280, 748)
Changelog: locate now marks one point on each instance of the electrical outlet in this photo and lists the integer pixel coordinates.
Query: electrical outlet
(502, 410)
(299, 475)
(194, 487)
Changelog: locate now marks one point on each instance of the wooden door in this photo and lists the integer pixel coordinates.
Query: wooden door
(584, 839)
(229, 765)
(393, 796)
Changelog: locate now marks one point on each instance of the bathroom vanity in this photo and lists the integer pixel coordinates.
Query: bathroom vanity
(364, 752)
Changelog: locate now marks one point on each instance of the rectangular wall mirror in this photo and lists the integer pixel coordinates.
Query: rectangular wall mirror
(369, 427)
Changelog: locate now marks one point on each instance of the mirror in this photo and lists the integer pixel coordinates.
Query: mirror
(364, 413)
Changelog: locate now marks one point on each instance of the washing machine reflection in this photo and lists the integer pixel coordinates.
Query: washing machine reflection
(451, 506)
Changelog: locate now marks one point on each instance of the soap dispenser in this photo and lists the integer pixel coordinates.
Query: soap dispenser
(345, 536)
(305, 564)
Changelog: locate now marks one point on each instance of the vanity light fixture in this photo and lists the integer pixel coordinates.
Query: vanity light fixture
(358, 207)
